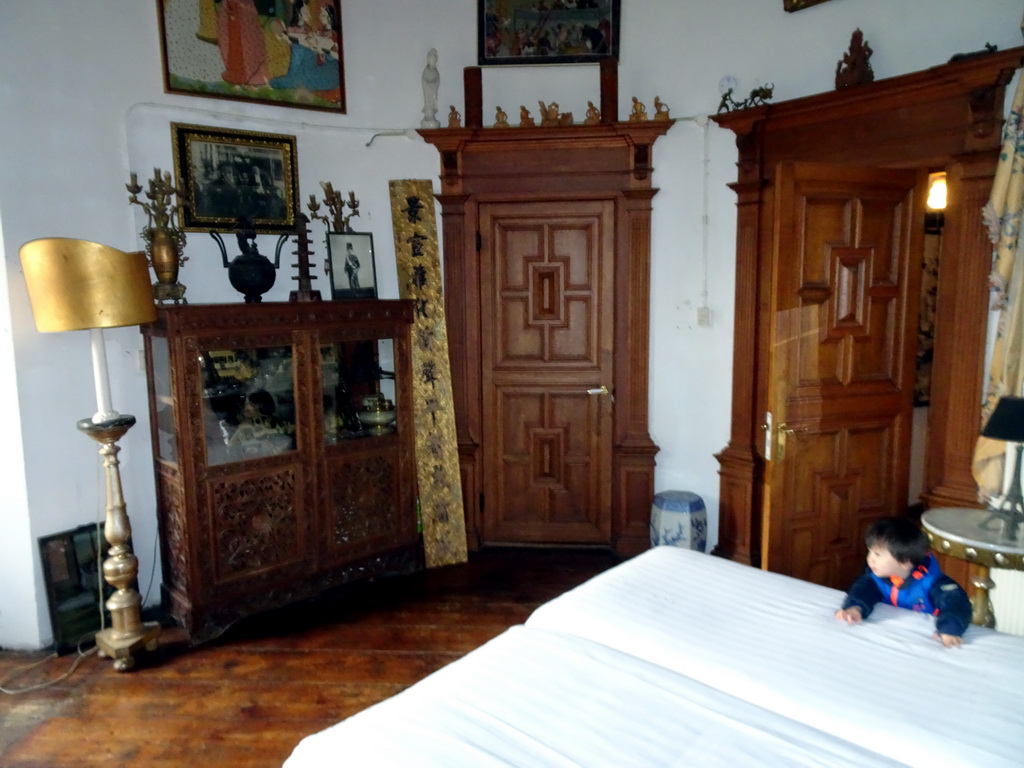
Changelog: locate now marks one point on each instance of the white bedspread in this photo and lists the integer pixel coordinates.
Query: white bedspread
(532, 698)
(773, 641)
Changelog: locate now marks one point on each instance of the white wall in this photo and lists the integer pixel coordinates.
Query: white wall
(81, 104)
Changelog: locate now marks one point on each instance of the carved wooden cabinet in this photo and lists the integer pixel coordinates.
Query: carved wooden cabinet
(283, 447)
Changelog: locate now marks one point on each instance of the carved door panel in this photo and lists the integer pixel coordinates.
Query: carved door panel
(842, 363)
(547, 338)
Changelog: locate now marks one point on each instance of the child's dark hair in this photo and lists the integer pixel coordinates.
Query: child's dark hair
(902, 537)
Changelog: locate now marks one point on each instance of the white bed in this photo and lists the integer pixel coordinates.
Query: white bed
(676, 658)
(536, 698)
(773, 641)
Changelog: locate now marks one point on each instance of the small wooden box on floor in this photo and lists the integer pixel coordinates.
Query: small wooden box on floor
(283, 448)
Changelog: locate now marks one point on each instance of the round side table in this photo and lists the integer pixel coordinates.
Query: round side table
(979, 537)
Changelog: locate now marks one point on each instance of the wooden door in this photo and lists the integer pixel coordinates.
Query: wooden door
(846, 265)
(547, 325)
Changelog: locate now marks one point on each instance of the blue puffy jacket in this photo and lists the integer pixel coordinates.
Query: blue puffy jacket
(927, 589)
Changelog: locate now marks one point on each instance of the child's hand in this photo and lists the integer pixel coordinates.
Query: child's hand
(949, 641)
(850, 615)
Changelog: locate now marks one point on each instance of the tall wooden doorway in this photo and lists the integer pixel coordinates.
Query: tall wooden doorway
(842, 339)
(547, 284)
(547, 344)
(947, 118)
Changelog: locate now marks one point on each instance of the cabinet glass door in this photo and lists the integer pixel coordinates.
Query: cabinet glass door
(358, 389)
(166, 434)
(248, 402)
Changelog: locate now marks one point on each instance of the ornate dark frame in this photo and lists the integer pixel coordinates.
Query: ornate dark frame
(274, 153)
(604, 12)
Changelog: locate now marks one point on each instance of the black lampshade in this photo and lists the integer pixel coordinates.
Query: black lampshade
(1006, 421)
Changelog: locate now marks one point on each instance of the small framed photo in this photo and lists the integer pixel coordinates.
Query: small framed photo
(351, 266)
(229, 174)
(283, 52)
(564, 32)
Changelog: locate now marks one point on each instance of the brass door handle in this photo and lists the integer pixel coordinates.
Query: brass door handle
(780, 447)
(602, 390)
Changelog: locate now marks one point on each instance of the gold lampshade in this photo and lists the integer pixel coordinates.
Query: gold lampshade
(75, 285)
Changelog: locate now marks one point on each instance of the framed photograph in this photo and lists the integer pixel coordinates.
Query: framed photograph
(284, 52)
(552, 32)
(798, 5)
(351, 266)
(228, 174)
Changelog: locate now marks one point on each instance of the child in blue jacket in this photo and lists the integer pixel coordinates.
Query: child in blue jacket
(901, 571)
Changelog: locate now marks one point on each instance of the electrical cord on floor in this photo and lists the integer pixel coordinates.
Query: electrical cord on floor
(82, 656)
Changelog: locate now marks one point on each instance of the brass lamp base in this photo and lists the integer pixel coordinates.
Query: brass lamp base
(122, 648)
(127, 633)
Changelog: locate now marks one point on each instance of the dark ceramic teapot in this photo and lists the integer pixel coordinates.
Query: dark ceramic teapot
(251, 273)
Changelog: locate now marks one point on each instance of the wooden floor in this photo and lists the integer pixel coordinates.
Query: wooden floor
(249, 697)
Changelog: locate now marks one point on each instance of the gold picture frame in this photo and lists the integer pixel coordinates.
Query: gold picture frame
(228, 174)
(282, 52)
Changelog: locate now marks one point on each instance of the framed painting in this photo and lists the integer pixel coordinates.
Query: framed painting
(351, 265)
(227, 174)
(798, 5)
(283, 52)
(559, 32)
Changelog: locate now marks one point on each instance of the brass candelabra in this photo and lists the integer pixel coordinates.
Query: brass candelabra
(337, 221)
(165, 241)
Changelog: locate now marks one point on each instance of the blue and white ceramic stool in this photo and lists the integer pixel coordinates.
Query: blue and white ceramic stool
(678, 519)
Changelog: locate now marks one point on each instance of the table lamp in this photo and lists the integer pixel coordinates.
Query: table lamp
(1007, 423)
(78, 285)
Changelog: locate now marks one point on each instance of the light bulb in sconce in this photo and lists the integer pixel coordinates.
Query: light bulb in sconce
(936, 192)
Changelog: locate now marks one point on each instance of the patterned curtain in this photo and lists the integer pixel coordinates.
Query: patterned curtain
(1002, 215)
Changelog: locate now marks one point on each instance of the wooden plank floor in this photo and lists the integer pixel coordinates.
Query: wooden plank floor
(249, 697)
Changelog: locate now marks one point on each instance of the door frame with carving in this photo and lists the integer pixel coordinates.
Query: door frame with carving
(580, 162)
(858, 126)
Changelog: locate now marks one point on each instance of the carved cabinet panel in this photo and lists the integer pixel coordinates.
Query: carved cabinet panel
(283, 444)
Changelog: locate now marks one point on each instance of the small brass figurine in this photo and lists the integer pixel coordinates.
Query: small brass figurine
(639, 112)
(548, 113)
(593, 114)
(727, 104)
(501, 119)
(758, 97)
(454, 118)
(660, 109)
(525, 121)
(855, 68)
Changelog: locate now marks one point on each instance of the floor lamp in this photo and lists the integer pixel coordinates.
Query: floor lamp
(77, 285)
(1007, 423)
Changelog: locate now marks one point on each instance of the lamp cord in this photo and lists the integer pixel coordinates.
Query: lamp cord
(14, 674)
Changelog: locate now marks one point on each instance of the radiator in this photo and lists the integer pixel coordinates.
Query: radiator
(1008, 600)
